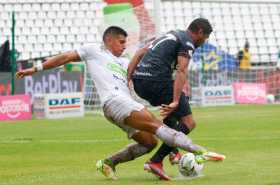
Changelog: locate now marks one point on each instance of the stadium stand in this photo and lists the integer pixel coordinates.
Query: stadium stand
(48, 27)
(45, 28)
(233, 23)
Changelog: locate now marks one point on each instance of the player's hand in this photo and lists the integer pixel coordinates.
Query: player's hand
(130, 83)
(165, 110)
(25, 72)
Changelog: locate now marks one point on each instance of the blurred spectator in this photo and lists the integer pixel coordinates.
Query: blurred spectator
(244, 57)
(5, 64)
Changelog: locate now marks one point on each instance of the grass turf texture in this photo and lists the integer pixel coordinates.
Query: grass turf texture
(60, 152)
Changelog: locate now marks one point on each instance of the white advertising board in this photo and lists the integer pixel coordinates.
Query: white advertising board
(217, 95)
(62, 105)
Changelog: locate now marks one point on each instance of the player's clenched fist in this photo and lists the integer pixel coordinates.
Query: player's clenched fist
(25, 72)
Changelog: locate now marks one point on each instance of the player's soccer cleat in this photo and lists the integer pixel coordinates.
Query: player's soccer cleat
(106, 168)
(209, 156)
(157, 170)
(212, 156)
(174, 158)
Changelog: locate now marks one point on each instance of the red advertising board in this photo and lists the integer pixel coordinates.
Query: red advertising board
(15, 107)
(250, 93)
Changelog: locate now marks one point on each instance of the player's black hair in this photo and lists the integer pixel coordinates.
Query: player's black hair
(200, 23)
(114, 30)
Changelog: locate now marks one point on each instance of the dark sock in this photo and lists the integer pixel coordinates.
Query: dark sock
(174, 151)
(164, 149)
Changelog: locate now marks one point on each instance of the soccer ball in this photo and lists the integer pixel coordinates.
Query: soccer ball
(188, 166)
(270, 98)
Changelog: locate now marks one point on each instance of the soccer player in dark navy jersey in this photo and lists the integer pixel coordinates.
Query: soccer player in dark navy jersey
(160, 60)
(152, 69)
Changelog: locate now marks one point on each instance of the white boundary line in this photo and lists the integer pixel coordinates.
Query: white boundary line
(81, 141)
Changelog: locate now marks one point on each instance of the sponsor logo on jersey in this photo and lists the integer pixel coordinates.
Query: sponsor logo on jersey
(117, 69)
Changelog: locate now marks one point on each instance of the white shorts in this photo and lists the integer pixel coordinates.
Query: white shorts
(118, 108)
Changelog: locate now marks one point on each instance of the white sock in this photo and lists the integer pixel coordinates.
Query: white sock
(174, 138)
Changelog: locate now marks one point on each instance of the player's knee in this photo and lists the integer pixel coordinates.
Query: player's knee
(186, 127)
(151, 144)
(191, 124)
(154, 143)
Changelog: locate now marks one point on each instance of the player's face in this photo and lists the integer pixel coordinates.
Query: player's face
(201, 38)
(116, 44)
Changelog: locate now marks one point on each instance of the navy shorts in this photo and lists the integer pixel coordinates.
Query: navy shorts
(159, 92)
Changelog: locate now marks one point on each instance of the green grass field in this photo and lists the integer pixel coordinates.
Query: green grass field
(64, 152)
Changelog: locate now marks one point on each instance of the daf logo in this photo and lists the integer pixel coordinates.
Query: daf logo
(64, 101)
(218, 93)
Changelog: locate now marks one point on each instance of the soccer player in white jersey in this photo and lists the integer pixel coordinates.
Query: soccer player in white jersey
(108, 71)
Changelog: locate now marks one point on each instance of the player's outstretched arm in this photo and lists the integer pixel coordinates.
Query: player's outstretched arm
(134, 61)
(52, 62)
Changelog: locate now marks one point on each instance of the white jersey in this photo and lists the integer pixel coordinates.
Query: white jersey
(108, 72)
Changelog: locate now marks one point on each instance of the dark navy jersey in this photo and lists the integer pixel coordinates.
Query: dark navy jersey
(161, 58)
